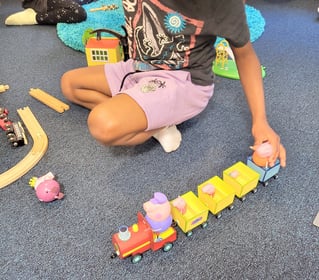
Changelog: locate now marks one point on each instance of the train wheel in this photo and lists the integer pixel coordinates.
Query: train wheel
(136, 259)
(10, 135)
(174, 224)
(265, 184)
(231, 207)
(204, 225)
(276, 176)
(218, 215)
(167, 247)
(254, 190)
(113, 255)
(189, 234)
(242, 199)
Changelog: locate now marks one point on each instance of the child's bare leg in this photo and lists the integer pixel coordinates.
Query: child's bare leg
(119, 121)
(86, 86)
(113, 121)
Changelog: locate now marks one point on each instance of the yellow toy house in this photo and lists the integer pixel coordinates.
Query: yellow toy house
(103, 50)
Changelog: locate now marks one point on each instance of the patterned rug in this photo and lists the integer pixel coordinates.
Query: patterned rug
(71, 34)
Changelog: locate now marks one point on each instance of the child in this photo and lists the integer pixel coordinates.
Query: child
(47, 12)
(169, 78)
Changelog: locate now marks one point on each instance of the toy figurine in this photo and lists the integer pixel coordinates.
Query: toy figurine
(180, 204)
(259, 161)
(46, 188)
(151, 232)
(261, 154)
(158, 212)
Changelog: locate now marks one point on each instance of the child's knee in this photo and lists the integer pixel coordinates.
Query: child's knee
(102, 127)
(65, 84)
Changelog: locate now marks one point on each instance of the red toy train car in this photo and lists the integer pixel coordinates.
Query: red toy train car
(133, 241)
(188, 211)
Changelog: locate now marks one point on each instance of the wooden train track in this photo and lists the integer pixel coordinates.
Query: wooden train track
(49, 100)
(40, 145)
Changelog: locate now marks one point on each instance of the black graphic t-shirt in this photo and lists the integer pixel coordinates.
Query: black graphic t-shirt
(180, 34)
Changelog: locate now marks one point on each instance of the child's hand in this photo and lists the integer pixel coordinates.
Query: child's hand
(262, 132)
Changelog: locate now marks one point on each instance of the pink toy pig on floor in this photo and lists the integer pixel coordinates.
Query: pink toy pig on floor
(158, 212)
(46, 188)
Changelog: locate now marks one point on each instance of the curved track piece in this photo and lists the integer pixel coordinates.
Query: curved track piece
(40, 145)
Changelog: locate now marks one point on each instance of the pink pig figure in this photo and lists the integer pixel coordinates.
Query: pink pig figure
(180, 204)
(46, 188)
(158, 212)
(209, 189)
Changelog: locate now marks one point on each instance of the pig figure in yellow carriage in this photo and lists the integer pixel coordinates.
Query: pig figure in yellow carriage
(216, 195)
(242, 178)
(189, 212)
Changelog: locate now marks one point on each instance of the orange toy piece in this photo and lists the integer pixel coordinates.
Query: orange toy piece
(261, 154)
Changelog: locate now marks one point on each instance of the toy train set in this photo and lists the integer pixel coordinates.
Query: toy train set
(157, 230)
(14, 130)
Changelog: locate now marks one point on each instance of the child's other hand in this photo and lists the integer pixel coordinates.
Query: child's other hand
(262, 132)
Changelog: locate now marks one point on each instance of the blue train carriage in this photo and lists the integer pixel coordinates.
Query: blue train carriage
(242, 178)
(189, 212)
(265, 173)
(217, 195)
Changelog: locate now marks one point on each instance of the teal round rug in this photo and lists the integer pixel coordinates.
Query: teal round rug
(71, 34)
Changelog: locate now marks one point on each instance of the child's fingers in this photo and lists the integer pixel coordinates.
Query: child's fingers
(282, 156)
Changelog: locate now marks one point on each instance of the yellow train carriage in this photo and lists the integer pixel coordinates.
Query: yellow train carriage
(242, 178)
(222, 197)
(195, 213)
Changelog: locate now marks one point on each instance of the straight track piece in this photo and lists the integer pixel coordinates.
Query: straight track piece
(49, 100)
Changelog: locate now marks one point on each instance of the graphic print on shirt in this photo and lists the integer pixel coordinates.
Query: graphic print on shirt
(159, 35)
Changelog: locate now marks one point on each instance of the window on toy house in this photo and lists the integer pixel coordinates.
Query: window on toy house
(99, 55)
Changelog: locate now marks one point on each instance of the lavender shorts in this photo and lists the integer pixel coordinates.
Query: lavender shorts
(167, 97)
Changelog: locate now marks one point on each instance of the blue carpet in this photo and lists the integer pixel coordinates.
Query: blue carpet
(71, 34)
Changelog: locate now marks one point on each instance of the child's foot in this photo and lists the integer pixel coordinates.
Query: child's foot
(26, 17)
(169, 137)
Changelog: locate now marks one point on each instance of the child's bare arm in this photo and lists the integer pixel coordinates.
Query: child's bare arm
(249, 69)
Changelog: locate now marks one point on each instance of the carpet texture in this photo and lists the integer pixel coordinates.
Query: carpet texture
(270, 236)
(71, 34)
